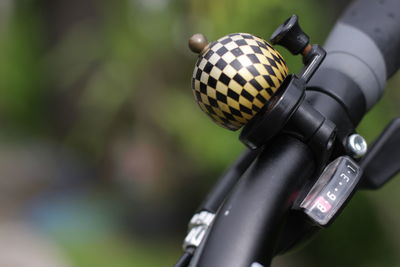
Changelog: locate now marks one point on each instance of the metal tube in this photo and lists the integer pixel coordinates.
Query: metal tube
(246, 227)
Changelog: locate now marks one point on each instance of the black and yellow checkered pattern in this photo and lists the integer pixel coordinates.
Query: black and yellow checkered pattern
(235, 77)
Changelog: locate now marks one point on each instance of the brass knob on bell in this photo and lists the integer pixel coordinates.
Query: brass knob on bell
(197, 43)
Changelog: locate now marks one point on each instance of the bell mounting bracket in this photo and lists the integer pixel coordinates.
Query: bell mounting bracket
(288, 111)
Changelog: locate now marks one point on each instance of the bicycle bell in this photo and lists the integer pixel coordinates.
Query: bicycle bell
(241, 80)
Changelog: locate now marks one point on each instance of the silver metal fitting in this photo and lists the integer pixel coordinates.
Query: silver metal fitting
(198, 227)
(356, 145)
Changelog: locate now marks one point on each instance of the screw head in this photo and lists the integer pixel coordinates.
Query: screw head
(356, 145)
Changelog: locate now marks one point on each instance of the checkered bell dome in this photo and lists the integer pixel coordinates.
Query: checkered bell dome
(235, 77)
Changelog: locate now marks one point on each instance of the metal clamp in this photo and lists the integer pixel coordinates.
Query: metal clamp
(198, 227)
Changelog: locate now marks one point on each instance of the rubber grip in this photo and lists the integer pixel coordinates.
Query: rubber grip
(379, 19)
(364, 45)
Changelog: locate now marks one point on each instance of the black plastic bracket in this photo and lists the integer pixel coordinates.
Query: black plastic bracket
(274, 116)
(310, 126)
(288, 111)
(293, 38)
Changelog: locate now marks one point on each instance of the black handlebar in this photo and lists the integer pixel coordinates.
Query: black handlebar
(380, 20)
(363, 51)
(246, 229)
(364, 47)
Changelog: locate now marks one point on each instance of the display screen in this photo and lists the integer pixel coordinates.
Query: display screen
(331, 190)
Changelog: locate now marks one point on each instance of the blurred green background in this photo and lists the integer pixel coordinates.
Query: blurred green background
(104, 154)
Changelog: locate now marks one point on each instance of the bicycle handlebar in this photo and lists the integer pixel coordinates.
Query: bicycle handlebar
(363, 51)
(364, 46)
(246, 229)
(382, 26)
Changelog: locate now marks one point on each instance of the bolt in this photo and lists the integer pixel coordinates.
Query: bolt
(356, 145)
